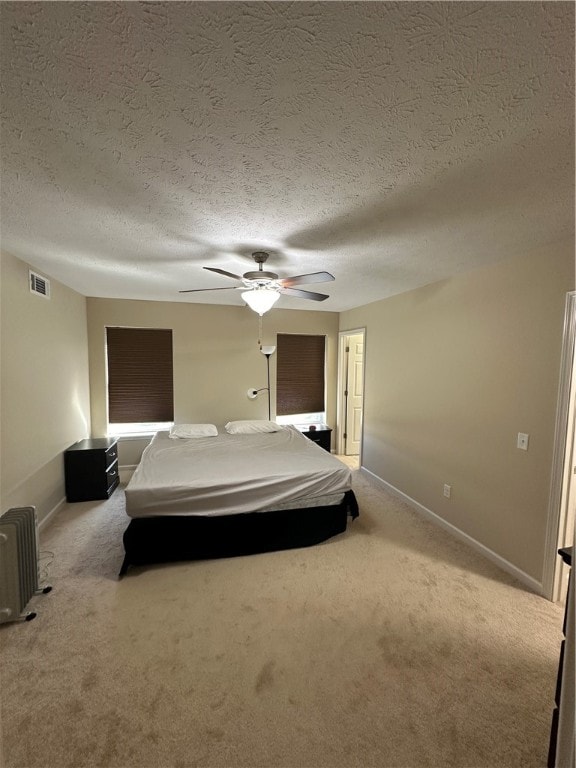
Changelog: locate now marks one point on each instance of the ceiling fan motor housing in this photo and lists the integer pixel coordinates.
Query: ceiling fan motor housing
(260, 257)
(260, 276)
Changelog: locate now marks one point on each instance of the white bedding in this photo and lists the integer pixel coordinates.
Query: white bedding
(233, 474)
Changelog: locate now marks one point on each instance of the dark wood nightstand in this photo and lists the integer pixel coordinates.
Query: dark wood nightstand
(91, 469)
(321, 435)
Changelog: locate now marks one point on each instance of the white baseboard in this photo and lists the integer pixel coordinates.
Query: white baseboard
(52, 513)
(505, 565)
(126, 472)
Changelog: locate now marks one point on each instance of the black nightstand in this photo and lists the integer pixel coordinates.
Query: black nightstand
(321, 435)
(91, 469)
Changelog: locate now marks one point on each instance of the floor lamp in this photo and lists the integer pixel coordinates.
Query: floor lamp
(253, 393)
(268, 351)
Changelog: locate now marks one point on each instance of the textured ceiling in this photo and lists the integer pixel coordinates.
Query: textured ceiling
(392, 144)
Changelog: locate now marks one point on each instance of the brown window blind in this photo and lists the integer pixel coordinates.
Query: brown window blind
(140, 379)
(299, 374)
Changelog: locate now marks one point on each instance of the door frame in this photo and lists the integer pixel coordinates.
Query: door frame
(562, 477)
(341, 399)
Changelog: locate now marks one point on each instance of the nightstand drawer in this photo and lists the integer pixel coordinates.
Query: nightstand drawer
(111, 455)
(112, 474)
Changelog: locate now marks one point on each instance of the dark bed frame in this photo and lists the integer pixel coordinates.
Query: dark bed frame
(179, 537)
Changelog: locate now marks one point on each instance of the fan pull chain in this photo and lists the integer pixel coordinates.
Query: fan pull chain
(260, 331)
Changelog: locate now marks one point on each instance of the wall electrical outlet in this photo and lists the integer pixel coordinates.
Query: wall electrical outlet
(447, 491)
(522, 442)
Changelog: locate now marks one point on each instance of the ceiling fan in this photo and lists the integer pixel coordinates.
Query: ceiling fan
(261, 290)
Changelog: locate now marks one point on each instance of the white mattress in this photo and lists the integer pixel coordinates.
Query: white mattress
(234, 474)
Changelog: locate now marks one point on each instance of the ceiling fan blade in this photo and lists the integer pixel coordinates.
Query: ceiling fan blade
(300, 294)
(198, 290)
(314, 277)
(223, 272)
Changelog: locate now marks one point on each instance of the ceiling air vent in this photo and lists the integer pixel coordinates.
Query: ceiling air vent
(39, 285)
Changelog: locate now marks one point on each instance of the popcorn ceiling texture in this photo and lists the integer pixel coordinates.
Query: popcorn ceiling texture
(392, 144)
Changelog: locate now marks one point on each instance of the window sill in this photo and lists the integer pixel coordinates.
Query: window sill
(133, 436)
(137, 430)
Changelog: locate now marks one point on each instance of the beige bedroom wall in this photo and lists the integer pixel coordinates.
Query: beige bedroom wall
(44, 387)
(216, 357)
(454, 371)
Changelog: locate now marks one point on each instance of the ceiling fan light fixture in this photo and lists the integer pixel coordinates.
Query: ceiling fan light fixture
(261, 299)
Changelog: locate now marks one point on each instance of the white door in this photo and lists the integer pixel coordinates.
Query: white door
(568, 515)
(562, 504)
(353, 394)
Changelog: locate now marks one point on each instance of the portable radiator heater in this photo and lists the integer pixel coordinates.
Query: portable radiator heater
(19, 577)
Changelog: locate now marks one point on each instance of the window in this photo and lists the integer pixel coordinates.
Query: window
(300, 377)
(140, 379)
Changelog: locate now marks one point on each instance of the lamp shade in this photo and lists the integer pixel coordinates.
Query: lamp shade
(267, 350)
(261, 299)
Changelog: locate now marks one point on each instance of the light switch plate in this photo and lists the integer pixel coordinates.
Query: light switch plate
(522, 441)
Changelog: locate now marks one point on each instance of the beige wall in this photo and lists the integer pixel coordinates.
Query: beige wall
(216, 357)
(454, 371)
(44, 389)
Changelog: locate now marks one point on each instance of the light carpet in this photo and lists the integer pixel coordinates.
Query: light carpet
(391, 645)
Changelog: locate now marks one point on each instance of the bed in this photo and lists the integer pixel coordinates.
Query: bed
(226, 495)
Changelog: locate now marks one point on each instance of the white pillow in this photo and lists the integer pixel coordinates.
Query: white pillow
(252, 427)
(193, 430)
